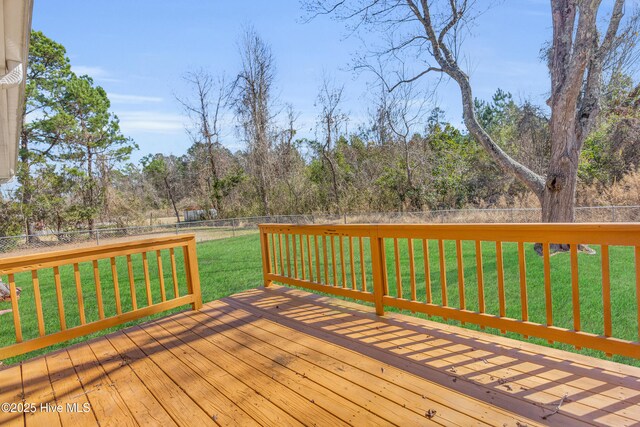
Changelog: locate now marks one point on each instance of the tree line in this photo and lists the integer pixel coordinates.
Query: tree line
(75, 169)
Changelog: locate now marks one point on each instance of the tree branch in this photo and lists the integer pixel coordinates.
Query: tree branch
(414, 78)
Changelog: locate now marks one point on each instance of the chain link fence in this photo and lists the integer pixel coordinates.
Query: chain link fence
(234, 227)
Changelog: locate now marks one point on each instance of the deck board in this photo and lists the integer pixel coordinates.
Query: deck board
(37, 388)
(143, 405)
(281, 356)
(104, 398)
(11, 391)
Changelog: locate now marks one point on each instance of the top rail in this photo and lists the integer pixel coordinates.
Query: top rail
(20, 263)
(532, 279)
(75, 292)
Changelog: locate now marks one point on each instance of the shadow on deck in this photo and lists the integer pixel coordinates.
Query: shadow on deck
(280, 356)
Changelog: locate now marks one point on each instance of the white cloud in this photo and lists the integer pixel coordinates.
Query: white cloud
(89, 71)
(151, 122)
(120, 98)
(95, 72)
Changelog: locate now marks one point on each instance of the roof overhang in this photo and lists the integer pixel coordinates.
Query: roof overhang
(15, 29)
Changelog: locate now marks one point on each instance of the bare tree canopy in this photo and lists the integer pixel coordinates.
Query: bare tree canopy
(253, 101)
(427, 35)
(205, 109)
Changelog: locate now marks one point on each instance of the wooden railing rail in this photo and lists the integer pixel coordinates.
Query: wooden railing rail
(483, 274)
(50, 290)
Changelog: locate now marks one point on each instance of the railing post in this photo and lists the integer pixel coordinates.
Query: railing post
(379, 266)
(266, 258)
(193, 275)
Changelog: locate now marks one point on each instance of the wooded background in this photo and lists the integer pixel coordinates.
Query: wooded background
(75, 170)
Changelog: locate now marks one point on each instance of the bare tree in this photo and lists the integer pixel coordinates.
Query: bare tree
(404, 115)
(433, 30)
(253, 101)
(330, 119)
(205, 111)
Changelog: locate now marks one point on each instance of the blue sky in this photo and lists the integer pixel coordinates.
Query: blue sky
(138, 51)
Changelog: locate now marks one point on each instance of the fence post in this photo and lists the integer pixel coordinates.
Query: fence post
(266, 257)
(233, 227)
(97, 237)
(379, 266)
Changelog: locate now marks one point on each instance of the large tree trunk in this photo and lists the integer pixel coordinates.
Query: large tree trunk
(557, 198)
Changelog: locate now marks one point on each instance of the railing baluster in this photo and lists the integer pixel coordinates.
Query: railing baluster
(274, 253)
(461, 294)
(14, 308)
(310, 258)
(343, 270)
(352, 264)
(443, 273)
(396, 255)
(606, 291)
(500, 271)
(286, 244)
(326, 260)
(383, 266)
(302, 262)
(163, 292)
(318, 276)
(281, 254)
(59, 296)
(412, 270)
(363, 271)
(427, 270)
(147, 281)
(116, 285)
(524, 305)
(38, 300)
(295, 256)
(575, 290)
(76, 274)
(174, 273)
(547, 283)
(132, 283)
(96, 279)
(480, 274)
(333, 261)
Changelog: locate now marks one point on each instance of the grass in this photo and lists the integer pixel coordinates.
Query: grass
(231, 265)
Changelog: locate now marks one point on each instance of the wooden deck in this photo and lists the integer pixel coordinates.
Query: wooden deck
(280, 356)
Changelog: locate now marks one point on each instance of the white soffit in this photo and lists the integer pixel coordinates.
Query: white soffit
(15, 29)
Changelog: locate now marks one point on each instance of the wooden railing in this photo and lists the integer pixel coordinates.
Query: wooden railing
(499, 281)
(54, 298)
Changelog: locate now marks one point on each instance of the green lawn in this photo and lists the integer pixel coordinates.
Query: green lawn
(231, 265)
